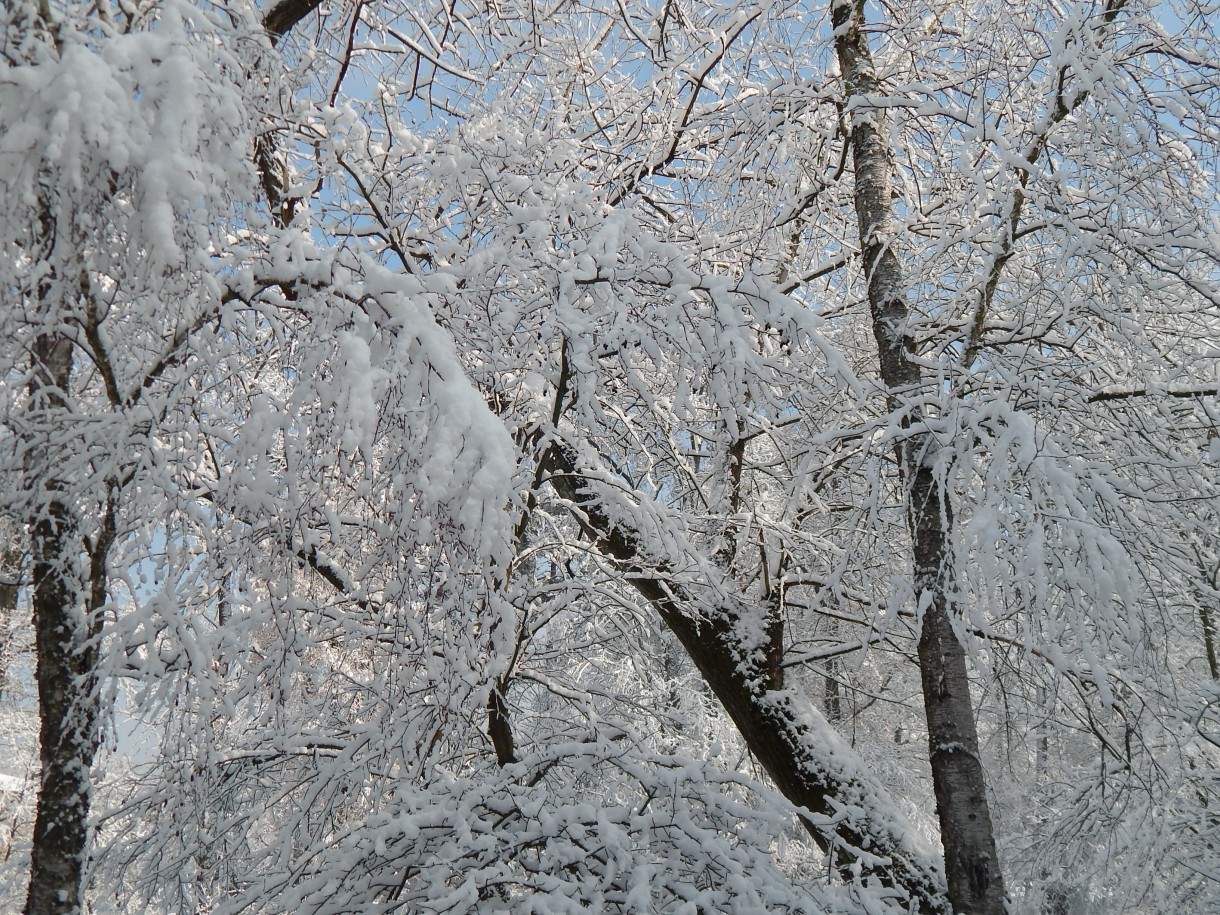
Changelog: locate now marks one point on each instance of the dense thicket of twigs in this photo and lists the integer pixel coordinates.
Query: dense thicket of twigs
(447, 465)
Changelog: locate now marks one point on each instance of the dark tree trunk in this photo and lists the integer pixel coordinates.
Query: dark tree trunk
(499, 725)
(971, 864)
(65, 644)
(972, 868)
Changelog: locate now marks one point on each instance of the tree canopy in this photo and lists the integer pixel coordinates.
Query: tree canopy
(638, 456)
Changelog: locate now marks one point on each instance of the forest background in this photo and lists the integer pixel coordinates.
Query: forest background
(554, 456)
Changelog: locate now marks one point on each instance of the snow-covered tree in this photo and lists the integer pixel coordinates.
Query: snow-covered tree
(467, 438)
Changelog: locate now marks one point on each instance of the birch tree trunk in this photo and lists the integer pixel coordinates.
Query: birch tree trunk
(972, 869)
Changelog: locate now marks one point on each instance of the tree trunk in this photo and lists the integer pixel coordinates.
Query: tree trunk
(65, 647)
(11, 562)
(972, 868)
(810, 764)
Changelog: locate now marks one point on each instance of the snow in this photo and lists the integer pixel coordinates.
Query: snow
(633, 232)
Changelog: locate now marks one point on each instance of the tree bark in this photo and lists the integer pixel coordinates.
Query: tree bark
(499, 725)
(12, 561)
(972, 867)
(809, 763)
(283, 16)
(65, 647)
